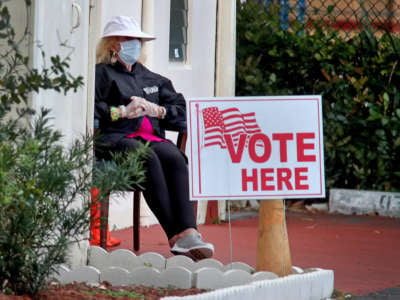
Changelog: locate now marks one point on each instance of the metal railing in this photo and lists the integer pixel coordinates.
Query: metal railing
(348, 16)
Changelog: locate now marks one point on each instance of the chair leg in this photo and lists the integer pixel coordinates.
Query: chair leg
(136, 220)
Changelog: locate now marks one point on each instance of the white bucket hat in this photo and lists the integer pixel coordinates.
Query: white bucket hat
(125, 26)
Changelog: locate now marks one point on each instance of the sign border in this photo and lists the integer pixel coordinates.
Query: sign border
(196, 101)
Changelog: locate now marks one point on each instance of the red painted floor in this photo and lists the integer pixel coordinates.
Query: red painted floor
(363, 251)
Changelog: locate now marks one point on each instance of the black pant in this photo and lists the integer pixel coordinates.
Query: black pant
(167, 185)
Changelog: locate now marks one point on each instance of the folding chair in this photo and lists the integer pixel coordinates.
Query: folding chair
(104, 209)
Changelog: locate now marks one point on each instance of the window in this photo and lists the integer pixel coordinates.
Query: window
(178, 30)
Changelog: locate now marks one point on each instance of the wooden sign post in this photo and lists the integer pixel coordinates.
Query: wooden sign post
(273, 252)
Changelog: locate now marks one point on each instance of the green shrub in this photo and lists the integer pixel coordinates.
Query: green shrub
(40, 186)
(40, 183)
(357, 78)
(44, 188)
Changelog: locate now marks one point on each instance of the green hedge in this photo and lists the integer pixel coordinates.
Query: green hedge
(358, 79)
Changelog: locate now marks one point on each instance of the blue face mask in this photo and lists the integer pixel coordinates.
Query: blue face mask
(130, 51)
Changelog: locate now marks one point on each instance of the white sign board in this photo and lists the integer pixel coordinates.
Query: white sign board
(255, 148)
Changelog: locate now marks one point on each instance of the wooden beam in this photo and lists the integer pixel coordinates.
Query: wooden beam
(273, 252)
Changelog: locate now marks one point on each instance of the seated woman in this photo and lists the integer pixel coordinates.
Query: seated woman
(135, 105)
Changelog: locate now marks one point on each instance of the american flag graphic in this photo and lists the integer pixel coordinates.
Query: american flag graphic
(227, 121)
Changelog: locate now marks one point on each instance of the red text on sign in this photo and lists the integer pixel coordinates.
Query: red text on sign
(263, 155)
(278, 179)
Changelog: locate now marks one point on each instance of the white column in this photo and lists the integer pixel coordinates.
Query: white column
(225, 60)
(226, 49)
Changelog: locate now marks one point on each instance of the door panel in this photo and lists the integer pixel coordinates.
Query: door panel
(195, 77)
(62, 28)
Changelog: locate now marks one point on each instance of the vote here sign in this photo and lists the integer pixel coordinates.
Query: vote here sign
(255, 148)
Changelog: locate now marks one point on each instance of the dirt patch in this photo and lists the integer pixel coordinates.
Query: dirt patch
(80, 291)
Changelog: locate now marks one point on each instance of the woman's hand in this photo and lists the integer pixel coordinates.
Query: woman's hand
(135, 108)
(140, 106)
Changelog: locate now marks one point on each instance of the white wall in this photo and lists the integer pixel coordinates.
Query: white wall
(72, 113)
(62, 28)
(226, 49)
(195, 78)
(19, 20)
(53, 25)
(110, 8)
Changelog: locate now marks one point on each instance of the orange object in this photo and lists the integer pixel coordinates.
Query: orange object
(212, 215)
(95, 223)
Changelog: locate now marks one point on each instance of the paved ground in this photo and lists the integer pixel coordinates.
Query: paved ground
(363, 251)
(387, 294)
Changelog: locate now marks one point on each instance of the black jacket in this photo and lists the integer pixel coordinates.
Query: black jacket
(115, 85)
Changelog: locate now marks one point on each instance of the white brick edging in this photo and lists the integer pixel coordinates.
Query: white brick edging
(233, 281)
(307, 286)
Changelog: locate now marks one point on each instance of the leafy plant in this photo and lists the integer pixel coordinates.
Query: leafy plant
(357, 78)
(41, 183)
(44, 187)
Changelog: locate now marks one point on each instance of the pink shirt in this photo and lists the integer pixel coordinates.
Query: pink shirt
(145, 131)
